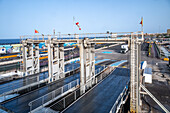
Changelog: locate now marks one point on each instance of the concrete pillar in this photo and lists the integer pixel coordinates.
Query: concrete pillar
(36, 59)
(61, 60)
(82, 67)
(92, 58)
(55, 60)
(28, 57)
(24, 55)
(50, 59)
(87, 65)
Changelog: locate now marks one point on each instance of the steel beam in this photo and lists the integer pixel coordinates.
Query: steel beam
(61, 60)
(87, 64)
(135, 75)
(31, 64)
(55, 60)
(36, 63)
(82, 66)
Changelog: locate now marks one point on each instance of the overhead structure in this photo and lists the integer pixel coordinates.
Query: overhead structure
(135, 60)
(30, 57)
(55, 59)
(87, 59)
(87, 64)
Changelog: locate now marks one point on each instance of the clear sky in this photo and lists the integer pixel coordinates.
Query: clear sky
(21, 17)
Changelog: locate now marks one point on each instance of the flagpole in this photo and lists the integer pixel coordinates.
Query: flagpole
(142, 29)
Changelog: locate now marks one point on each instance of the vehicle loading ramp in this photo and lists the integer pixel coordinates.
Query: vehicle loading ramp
(102, 97)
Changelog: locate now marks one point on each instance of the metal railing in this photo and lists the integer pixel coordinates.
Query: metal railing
(150, 94)
(40, 102)
(52, 96)
(28, 82)
(67, 100)
(120, 100)
(16, 86)
(78, 36)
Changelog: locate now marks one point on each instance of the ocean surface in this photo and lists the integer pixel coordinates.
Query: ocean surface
(9, 41)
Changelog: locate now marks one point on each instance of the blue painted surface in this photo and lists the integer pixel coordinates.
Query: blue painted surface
(108, 52)
(118, 63)
(98, 61)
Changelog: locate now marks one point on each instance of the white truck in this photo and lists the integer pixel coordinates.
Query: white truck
(148, 75)
(124, 48)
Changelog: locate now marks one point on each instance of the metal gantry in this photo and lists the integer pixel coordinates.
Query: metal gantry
(30, 57)
(87, 60)
(87, 63)
(135, 74)
(55, 60)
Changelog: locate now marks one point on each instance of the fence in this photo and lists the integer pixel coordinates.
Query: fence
(120, 100)
(15, 87)
(67, 100)
(52, 96)
(28, 82)
(158, 51)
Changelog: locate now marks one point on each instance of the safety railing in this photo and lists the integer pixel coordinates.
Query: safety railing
(67, 100)
(70, 98)
(79, 36)
(27, 82)
(16, 86)
(120, 100)
(157, 49)
(50, 97)
(72, 67)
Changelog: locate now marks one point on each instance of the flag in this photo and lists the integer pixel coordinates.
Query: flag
(36, 31)
(77, 23)
(141, 21)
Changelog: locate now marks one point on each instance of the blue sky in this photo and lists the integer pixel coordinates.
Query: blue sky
(21, 17)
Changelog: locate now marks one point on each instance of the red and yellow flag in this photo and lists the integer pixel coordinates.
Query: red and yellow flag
(36, 31)
(141, 21)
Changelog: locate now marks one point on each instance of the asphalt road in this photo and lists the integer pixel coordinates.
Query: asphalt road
(103, 96)
(114, 55)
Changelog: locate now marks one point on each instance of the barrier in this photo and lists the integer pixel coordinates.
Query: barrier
(52, 96)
